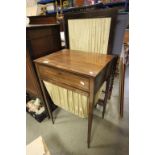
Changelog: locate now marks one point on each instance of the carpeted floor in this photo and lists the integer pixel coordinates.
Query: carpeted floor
(68, 136)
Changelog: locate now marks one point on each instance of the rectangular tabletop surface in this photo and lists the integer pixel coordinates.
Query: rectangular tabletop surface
(85, 63)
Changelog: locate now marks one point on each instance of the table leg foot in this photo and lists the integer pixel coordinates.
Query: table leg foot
(90, 117)
(88, 145)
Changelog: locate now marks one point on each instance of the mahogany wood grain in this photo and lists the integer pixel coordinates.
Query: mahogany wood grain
(64, 77)
(45, 97)
(40, 41)
(43, 19)
(43, 39)
(90, 109)
(76, 70)
(84, 63)
(32, 85)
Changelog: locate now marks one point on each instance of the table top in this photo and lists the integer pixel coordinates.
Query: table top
(85, 63)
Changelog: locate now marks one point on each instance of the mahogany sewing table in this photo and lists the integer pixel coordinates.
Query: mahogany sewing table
(81, 72)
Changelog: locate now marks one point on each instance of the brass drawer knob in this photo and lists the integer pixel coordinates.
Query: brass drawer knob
(81, 82)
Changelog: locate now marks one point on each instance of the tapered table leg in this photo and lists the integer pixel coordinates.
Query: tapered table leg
(90, 118)
(122, 81)
(112, 76)
(90, 111)
(45, 97)
(47, 104)
(106, 97)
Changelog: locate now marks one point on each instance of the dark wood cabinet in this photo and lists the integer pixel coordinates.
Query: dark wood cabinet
(41, 40)
(32, 86)
(43, 19)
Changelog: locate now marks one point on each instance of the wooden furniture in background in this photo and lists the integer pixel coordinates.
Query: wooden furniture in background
(32, 85)
(48, 19)
(124, 60)
(78, 71)
(40, 41)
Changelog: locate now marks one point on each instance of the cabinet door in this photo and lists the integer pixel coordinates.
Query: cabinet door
(43, 41)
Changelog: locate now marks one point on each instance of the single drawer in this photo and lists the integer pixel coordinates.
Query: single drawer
(64, 77)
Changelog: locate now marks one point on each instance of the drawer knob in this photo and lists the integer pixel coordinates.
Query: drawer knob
(91, 72)
(81, 82)
(45, 61)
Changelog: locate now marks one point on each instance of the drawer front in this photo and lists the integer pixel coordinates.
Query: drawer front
(64, 77)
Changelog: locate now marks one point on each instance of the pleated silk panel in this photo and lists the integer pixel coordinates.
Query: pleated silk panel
(69, 100)
(89, 35)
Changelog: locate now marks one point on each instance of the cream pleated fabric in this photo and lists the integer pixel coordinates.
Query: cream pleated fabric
(87, 35)
(69, 100)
